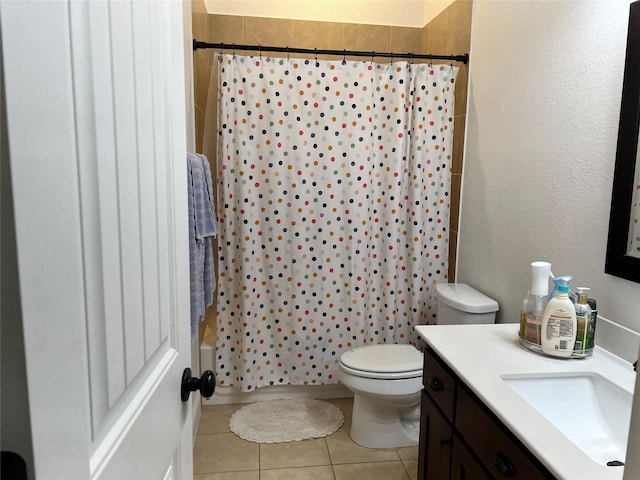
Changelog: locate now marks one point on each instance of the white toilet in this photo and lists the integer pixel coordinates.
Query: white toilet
(386, 379)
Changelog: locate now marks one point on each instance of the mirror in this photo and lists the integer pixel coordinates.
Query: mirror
(623, 246)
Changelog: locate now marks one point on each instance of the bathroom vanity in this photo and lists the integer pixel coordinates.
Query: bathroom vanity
(491, 409)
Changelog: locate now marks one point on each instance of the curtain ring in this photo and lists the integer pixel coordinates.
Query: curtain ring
(287, 53)
(233, 51)
(344, 57)
(316, 57)
(373, 54)
(260, 50)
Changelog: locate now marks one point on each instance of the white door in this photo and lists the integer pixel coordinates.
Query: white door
(97, 142)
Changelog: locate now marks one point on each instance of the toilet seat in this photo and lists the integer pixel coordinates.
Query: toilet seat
(385, 361)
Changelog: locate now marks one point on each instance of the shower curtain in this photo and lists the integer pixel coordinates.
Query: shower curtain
(333, 199)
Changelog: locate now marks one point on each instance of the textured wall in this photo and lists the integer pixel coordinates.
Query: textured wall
(542, 124)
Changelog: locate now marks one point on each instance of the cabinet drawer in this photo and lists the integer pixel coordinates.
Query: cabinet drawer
(500, 453)
(439, 384)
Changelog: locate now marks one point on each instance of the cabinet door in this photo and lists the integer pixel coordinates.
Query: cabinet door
(498, 450)
(436, 436)
(463, 465)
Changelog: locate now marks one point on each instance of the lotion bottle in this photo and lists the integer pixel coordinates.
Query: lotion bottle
(583, 321)
(559, 324)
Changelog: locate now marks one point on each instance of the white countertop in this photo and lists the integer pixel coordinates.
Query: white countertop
(481, 354)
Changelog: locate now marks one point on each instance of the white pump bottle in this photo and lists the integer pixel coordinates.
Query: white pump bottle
(559, 324)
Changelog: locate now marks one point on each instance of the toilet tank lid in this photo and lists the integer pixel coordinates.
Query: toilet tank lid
(465, 298)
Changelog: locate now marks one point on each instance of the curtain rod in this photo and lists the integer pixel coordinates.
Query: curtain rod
(464, 58)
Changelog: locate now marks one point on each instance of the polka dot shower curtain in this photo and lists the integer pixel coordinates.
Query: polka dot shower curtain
(333, 199)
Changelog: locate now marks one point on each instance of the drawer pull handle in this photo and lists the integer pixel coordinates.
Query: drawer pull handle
(504, 466)
(446, 441)
(435, 384)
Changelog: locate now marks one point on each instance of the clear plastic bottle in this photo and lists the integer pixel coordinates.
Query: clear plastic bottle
(535, 311)
(559, 324)
(583, 321)
(537, 301)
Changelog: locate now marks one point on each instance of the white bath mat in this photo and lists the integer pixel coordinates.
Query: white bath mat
(286, 420)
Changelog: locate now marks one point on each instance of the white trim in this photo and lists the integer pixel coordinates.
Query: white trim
(196, 412)
(231, 395)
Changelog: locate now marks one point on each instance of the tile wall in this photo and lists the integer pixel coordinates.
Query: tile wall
(201, 67)
(450, 32)
(202, 60)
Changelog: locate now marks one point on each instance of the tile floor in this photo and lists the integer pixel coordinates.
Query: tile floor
(219, 454)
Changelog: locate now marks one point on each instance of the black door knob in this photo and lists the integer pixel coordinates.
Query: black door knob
(206, 384)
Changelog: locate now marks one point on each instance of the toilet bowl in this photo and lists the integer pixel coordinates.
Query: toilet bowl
(386, 381)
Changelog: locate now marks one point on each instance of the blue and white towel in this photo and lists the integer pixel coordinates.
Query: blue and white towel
(202, 228)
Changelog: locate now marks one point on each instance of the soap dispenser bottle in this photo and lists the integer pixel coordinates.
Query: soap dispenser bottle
(559, 324)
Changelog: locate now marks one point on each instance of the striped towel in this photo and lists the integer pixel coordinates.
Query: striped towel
(202, 228)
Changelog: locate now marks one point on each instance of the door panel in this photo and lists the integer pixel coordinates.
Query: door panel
(40, 126)
(97, 153)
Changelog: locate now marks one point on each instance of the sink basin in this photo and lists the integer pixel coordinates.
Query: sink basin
(588, 409)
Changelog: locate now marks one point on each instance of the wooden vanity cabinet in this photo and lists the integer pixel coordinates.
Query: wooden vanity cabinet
(461, 439)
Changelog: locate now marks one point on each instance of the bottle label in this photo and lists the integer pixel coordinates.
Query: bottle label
(582, 332)
(559, 326)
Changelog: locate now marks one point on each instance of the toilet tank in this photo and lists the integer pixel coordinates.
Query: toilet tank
(458, 303)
